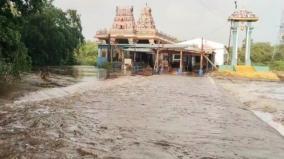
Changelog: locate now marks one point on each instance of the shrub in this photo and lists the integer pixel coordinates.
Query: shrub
(277, 65)
(87, 54)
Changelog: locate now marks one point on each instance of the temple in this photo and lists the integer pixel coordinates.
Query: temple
(242, 20)
(131, 44)
(126, 31)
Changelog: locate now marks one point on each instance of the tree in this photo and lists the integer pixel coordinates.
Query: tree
(52, 36)
(279, 53)
(35, 32)
(87, 54)
(262, 53)
(13, 53)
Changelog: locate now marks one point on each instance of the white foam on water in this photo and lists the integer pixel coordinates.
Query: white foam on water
(211, 80)
(85, 85)
(51, 93)
(268, 118)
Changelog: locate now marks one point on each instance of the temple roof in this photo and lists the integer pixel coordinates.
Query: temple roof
(124, 26)
(124, 19)
(243, 15)
(146, 20)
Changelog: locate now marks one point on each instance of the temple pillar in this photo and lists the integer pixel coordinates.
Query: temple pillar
(181, 62)
(134, 57)
(156, 67)
(107, 51)
(112, 41)
(235, 32)
(200, 72)
(133, 42)
(189, 63)
(100, 51)
(248, 44)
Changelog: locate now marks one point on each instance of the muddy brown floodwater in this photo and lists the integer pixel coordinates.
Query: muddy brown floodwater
(157, 117)
(60, 76)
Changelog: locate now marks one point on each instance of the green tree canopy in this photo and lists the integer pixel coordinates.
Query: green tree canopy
(13, 53)
(262, 53)
(52, 36)
(87, 54)
(35, 32)
(279, 53)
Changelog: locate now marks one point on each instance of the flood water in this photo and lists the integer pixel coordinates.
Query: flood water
(59, 77)
(141, 117)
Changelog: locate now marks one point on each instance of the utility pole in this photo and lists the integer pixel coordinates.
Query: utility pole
(201, 58)
(280, 38)
(230, 35)
(281, 30)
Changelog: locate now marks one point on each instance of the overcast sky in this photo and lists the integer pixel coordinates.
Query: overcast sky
(184, 19)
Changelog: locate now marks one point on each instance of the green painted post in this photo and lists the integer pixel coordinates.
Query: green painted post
(248, 44)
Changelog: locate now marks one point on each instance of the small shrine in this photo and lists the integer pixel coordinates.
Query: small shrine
(242, 20)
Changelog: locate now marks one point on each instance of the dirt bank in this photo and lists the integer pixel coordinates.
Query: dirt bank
(138, 117)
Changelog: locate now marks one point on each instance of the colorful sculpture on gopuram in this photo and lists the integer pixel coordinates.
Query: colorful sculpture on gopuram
(126, 31)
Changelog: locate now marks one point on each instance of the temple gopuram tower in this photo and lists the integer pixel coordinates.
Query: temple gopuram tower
(124, 19)
(124, 23)
(146, 20)
(116, 43)
(125, 31)
(146, 24)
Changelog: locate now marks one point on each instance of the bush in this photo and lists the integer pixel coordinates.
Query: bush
(87, 54)
(87, 60)
(277, 65)
(279, 53)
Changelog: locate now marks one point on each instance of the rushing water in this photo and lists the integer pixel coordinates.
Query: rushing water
(268, 118)
(60, 77)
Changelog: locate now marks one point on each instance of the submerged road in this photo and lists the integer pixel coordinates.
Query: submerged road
(157, 117)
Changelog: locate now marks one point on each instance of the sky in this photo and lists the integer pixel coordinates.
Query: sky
(183, 19)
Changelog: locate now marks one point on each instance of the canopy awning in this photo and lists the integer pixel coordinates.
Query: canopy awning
(152, 48)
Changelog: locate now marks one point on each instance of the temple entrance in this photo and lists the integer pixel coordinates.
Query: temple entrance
(172, 62)
(142, 59)
(172, 58)
(147, 59)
